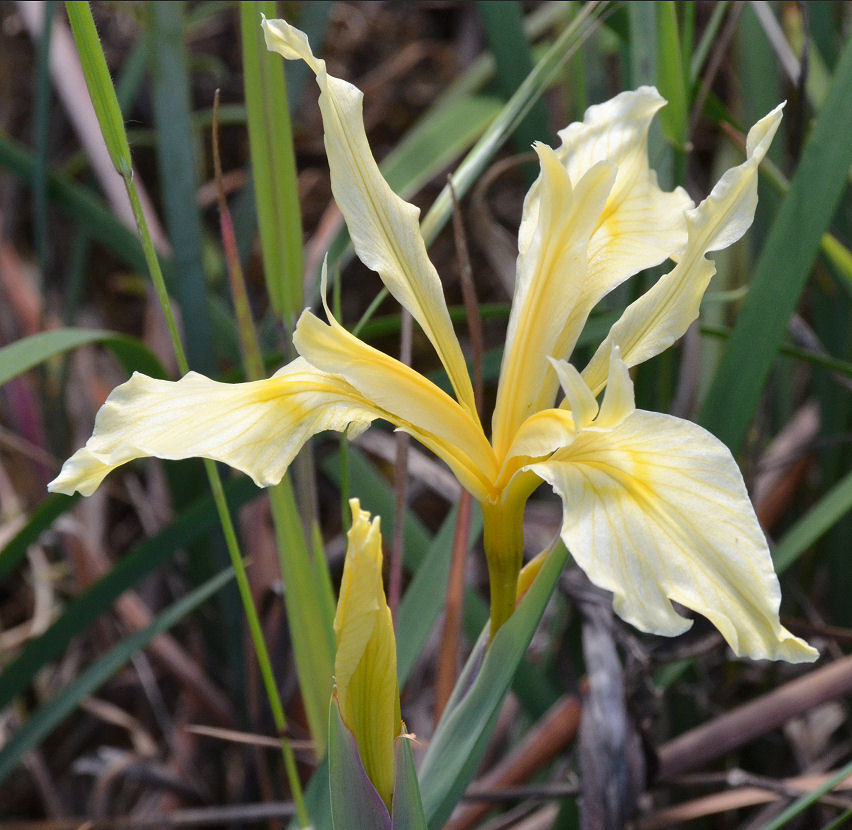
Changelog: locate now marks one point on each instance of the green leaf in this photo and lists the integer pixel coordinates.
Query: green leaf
(671, 78)
(407, 807)
(829, 510)
(307, 608)
(176, 164)
(783, 266)
(194, 522)
(273, 163)
(503, 24)
(99, 82)
(355, 804)
(22, 355)
(462, 734)
(79, 203)
(49, 716)
(40, 520)
(424, 597)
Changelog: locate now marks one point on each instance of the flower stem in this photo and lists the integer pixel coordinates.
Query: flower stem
(503, 538)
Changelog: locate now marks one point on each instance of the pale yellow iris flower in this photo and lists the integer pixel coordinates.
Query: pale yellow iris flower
(365, 662)
(655, 509)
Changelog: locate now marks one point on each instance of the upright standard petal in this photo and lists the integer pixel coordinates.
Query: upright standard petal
(365, 664)
(550, 277)
(255, 427)
(652, 323)
(655, 510)
(384, 228)
(640, 226)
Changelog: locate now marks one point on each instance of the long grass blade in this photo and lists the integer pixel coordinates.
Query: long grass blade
(49, 716)
(273, 164)
(783, 266)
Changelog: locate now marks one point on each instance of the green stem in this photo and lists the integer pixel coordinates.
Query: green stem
(252, 618)
(503, 539)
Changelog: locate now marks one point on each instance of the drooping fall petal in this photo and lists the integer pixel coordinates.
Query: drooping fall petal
(655, 510)
(255, 427)
(384, 228)
(652, 323)
(365, 664)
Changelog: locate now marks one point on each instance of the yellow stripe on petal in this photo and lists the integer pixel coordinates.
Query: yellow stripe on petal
(652, 323)
(409, 400)
(640, 225)
(550, 278)
(254, 427)
(384, 228)
(656, 510)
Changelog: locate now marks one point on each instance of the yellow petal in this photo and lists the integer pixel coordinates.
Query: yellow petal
(412, 402)
(365, 663)
(640, 224)
(550, 277)
(656, 510)
(255, 427)
(652, 323)
(384, 228)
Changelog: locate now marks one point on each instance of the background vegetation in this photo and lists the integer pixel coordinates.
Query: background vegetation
(129, 685)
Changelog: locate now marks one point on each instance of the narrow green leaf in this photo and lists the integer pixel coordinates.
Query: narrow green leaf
(830, 509)
(176, 165)
(803, 802)
(503, 24)
(25, 354)
(99, 82)
(407, 808)
(40, 520)
(307, 607)
(671, 78)
(78, 202)
(196, 521)
(424, 597)
(273, 163)
(49, 716)
(461, 736)
(355, 804)
(784, 265)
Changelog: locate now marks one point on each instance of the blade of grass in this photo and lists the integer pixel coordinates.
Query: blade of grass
(39, 521)
(84, 610)
(79, 203)
(825, 514)
(25, 354)
(97, 77)
(503, 24)
(273, 164)
(801, 804)
(671, 77)
(49, 716)
(176, 165)
(461, 738)
(783, 266)
(309, 602)
(41, 133)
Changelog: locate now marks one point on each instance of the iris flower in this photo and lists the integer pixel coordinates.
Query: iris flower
(654, 507)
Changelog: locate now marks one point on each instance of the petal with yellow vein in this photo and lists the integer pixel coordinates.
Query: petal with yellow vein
(255, 427)
(410, 401)
(550, 278)
(384, 228)
(662, 314)
(655, 510)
